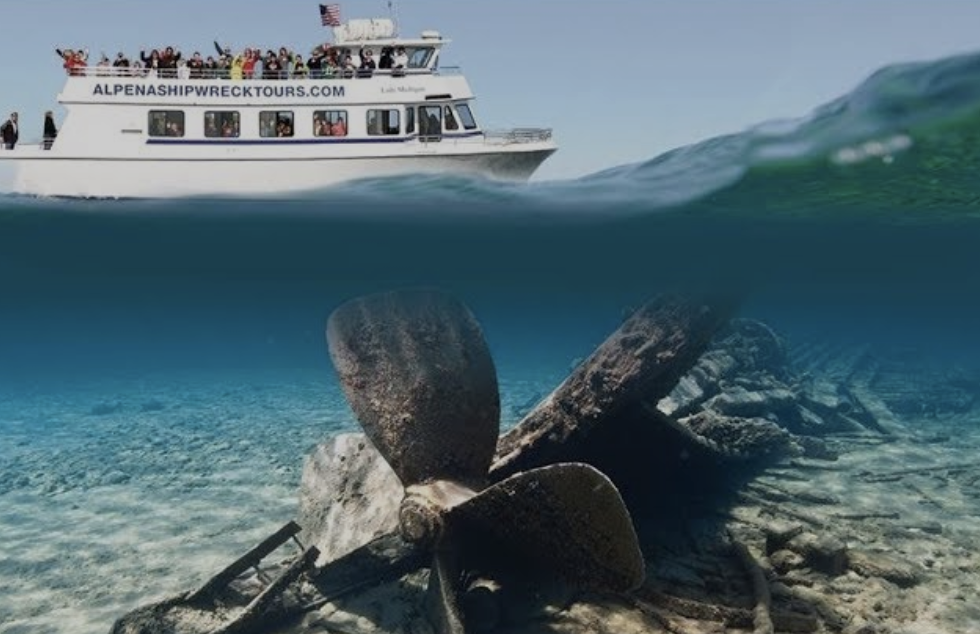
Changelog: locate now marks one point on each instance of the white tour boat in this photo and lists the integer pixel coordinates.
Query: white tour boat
(138, 134)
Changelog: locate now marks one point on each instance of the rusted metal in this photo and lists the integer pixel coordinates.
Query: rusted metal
(567, 518)
(641, 361)
(418, 374)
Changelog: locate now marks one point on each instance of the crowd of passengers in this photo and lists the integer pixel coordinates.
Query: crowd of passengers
(325, 61)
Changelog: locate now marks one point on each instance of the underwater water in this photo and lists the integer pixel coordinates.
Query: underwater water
(163, 367)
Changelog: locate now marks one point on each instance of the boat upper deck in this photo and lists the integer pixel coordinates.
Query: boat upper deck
(363, 49)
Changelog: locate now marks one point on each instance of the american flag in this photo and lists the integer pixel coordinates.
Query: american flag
(330, 14)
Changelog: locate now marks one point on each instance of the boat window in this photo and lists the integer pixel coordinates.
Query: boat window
(330, 123)
(466, 116)
(409, 120)
(419, 57)
(383, 122)
(222, 124)
(451, 123)
(166, 123)
(276, 123)
(430, 123)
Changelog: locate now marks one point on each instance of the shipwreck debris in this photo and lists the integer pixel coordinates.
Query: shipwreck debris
(588, 503)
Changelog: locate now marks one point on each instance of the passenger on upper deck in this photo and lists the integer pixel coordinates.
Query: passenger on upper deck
(285, 60)
(237, 70)
(347, 68)
(325, 61)
(222, 67)
(121, 63)
(271, 67)
(104, 67)
(249, 59)
(300, 69)
(151, 62)
(74, 61)
(367, 64)
(401, 58)
(355, 58)
(196, 66)
(168, 62)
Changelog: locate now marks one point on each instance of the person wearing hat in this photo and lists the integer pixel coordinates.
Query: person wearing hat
(50, 130)
(10, 131)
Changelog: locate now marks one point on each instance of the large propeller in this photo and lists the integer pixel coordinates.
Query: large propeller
(419, 376)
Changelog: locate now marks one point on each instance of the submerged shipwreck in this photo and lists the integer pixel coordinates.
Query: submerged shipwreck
(667, 485)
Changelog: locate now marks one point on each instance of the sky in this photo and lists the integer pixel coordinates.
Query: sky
(619, 81)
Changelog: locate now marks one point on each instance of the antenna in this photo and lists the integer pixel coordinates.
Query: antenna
(392, 16)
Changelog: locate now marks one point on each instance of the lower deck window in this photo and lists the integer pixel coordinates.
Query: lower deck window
(222, 124)
(451, 123)
(383, 122)
(330, 123)
(276, 124)
(466, 116)
(166, 123)
(430, 122)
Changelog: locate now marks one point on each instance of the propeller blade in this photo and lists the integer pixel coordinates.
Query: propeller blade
(569, 517)
(442, 594)
(418, 374)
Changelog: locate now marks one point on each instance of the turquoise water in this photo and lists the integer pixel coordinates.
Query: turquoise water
(170, 354)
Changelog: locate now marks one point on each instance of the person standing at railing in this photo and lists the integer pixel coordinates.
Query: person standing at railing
(151, 62)
(330, 67)
(121, 64)
(74, 61)
(300, 70)
(104, 67)
(196, 65)
(400, 61)
(168, 62)
(271, 68)
(314, 65)
(368, 65)
(285, 59)
(387, 59)
(10, 131)
(250, 59)
(237, 70)
(50, 130)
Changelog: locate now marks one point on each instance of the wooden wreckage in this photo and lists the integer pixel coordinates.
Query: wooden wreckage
(590, 491)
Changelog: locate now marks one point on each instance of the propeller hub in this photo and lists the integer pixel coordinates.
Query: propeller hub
(420, 520)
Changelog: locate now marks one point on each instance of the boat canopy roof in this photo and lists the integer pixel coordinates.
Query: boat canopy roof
(380, 32)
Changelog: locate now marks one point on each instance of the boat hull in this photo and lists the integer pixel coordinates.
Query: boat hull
(46, 174)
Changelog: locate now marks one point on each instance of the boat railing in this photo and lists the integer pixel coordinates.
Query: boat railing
(518, 135)
(224, 74)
